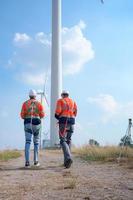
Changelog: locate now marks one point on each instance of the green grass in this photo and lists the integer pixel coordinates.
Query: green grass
(107, 153)
(9, 154)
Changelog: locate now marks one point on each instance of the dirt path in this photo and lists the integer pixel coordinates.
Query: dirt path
(51, 181)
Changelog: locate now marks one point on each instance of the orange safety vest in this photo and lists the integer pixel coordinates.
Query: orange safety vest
(32, 108)
(66, 107)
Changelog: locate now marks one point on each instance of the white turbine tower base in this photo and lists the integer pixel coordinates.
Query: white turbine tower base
(56, 69)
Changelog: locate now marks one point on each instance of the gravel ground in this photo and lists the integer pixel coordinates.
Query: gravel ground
(90, 181)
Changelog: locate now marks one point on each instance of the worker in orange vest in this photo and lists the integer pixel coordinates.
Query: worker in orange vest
(32, 112)
(65, 113)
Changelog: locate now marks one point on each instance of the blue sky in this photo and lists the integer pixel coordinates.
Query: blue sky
(97, 65)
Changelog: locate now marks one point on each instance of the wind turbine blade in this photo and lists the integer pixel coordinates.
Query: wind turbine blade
(46, 100)
(45, 80)
(44, 87)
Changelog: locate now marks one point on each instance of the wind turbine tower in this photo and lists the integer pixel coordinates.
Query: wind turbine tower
(56, 68)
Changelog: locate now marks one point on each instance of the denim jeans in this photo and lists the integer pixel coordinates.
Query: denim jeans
(65, 139)
(29, 131)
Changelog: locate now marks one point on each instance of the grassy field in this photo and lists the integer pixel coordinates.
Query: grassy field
(9, 154)
(107, 153)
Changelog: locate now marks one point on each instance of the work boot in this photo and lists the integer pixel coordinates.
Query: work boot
(36, 163)
(27, 164)
(68, 163)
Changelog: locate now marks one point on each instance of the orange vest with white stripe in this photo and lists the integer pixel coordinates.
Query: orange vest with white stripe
(66, 107)
(32, 108)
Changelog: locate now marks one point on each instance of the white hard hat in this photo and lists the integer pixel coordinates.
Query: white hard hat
(65, 92)
(32, 93)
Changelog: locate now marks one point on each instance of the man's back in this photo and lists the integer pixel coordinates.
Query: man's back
(32, 108)
(66, 107)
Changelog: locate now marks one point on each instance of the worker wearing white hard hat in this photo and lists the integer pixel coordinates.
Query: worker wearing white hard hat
(65, 92)
(32, 93)
(65, 113)
(32, 111)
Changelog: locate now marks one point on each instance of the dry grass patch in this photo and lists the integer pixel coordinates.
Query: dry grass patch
(107, 153)
(9, 154)
(70, 183)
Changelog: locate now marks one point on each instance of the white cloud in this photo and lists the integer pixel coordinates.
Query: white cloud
(35, 52)
(32, 79)
(42, 38)
(106, 102)
(21, 39)
(112, 110)
(82, 24)
(77, 50)
(109, 106)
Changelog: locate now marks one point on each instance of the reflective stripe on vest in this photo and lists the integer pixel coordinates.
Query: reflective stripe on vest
(67, 108)
(32, 109)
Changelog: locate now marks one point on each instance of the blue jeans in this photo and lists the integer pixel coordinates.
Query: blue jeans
(65, 139)
(30, 130)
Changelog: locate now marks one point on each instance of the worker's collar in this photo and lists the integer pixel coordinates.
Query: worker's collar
(65, 97)
(32, 98)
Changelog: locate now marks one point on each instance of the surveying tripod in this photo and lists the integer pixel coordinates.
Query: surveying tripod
(128, 132)
(127, 135)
